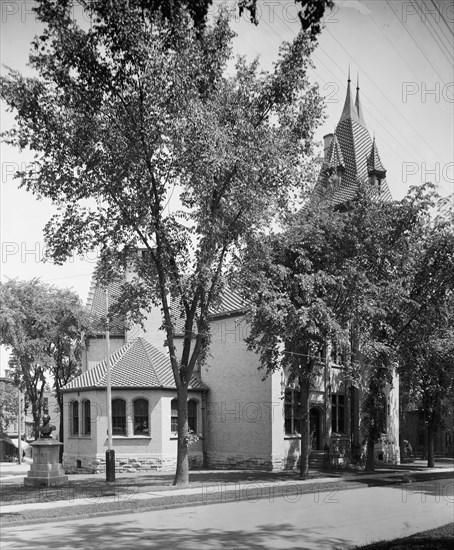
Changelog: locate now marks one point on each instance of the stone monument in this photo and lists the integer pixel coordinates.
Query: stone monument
(46, 469)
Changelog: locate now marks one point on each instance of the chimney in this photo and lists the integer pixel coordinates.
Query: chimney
(326, 145)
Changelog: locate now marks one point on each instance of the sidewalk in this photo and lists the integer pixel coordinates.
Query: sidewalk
(151, 491)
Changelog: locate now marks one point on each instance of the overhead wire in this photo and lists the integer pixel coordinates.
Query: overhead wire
(433, 31)
(443, 18)
(404, 141)
(411, 35)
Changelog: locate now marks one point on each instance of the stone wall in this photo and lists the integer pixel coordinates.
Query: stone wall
(136, 464)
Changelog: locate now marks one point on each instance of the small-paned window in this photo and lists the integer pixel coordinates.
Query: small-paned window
(338, 413)
(86, 412)
(118, 417)
(141, 417)
(75, 418)
(174, 415)
(192, 415)
(292, 411)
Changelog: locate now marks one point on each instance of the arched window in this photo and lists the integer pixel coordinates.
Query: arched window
(86, 414)
(174, 415)
(141, 417)
(192, 415)
(75, 418)
(118, 417)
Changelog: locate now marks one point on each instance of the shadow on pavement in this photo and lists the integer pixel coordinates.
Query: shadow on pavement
(116, 536)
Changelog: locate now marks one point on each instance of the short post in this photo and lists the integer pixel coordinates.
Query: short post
(110, 465)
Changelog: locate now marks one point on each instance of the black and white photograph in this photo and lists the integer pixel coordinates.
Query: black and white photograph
(227, 274)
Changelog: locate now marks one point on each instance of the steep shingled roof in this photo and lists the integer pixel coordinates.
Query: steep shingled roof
(335, 158)
(355, 144)
(136, 364)
(374, 163)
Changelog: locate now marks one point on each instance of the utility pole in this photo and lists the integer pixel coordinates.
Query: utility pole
(110, 453)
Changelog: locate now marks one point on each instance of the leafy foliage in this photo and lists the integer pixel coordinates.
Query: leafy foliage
(347, 276)
(42, 326)
(426, 345)
(9, 404)
(137, 111)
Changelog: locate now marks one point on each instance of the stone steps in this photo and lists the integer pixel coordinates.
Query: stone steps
(316, 460)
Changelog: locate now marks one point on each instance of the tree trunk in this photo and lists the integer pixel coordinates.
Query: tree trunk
(305, 428)
(370, 458)
(182, 472)
(430, 446)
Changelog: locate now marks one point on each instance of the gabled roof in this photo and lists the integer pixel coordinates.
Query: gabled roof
(355, 145)
(136, 364)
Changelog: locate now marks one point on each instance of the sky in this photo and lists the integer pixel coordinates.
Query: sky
(402, 51)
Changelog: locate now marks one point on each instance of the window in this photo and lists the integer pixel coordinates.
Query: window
(192, 415)
(75, 418)
(292, 411)
(338, 413)
(338, 355)
(86, 412)
(174, 415)
(118, 417)
(141, 417)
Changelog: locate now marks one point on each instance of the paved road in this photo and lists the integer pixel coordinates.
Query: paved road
(336, 520)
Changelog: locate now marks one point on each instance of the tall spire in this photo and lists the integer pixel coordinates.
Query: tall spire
(349, 110)
(374, 164)
(359, 109)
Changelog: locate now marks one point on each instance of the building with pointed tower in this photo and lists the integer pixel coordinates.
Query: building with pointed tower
(240, 419)
(351, 157)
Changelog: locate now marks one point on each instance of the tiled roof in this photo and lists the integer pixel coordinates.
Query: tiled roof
(374, 164)
(355, 145)
(136, 364)
(335, 158)
(230, 302)
(96, 304)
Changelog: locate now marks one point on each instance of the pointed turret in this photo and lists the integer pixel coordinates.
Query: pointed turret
(351, 157)
(359, 109)
(335, 160)
(374, 163)
(375, 168)
(349, 111)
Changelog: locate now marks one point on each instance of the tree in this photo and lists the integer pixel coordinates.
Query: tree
(42, 326)
(340, 275)
(300, 283)
(23, 310)
(137, 108)
(426, 344)
(9, 405)
(407, 258)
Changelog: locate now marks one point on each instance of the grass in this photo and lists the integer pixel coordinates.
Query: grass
(440, 538)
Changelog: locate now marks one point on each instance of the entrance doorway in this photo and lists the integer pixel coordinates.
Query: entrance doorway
(314, 423)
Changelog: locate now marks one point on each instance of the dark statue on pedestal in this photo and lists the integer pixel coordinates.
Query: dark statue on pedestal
(46, 428)
(46, 469)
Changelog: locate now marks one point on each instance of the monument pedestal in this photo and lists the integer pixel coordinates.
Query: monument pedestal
(46, 469)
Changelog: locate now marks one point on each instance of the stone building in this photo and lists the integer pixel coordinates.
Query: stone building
(241, 419)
